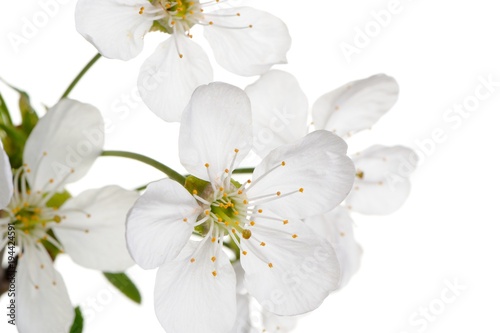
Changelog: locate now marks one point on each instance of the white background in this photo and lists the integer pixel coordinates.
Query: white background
(448, 229)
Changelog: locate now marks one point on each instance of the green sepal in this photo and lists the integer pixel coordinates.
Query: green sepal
(123, 283)
(77, 326)
(58, 199)
(195, 184)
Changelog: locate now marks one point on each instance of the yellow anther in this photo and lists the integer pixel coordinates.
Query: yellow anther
(246, 234)
(207, 212)
(301, 190)
(213, 239)
(213, 259)
(181, 55)
(285, 221)
(249, 181)
(260, 211)
(238, 14)
(221, 188)
(184, 220)
(236, 213)
(233, 231)
(270, 265)
(210, 22)
(141, 11)
(87, 231)
(262, 244)
(57, 219)
(278, 193)
(226, 171)
(37, 211)
(26, 205)
(195, 192)
(245, 202)
(236, 150)
(28, 170)
(37, 287)
(244, 253)
(214, 273)
(252, 223)
(283, 163)
(207, 165)
(294, 236)
(250, 26)
(192, 260)
(219, 219)
(51, 180)
(360, 174)
(240, 192)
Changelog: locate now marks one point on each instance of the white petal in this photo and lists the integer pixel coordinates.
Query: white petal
(41, 296)
(356, 105)
(293, 272)
(63, 145)
(382, 184)
(243, 50)
(114, 27)
(279, 111)
(217, 121)
(160, 223)
(317, 164)
(6, 186)
(277, 324)
(167, 81)
(245, 316)
(97, 240)
(337, 227)
(189, 298)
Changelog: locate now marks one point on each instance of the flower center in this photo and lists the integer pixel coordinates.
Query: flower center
(29, 217)
(177, 15)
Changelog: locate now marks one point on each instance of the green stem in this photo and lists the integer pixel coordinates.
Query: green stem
(243, 170)
(80, 75)
(171, 173)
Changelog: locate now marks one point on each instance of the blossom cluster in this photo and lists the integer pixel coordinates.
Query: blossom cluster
(227, 239)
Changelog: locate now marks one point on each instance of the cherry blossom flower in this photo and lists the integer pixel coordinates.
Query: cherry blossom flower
(288, 268)
(89, 227)
(244, 40)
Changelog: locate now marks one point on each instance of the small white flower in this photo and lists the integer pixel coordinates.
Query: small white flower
(245, 41)
(89, 227)
(381, 184)
(288, 268)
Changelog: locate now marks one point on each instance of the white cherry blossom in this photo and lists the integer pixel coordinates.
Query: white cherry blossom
(288, 268)
(90, 227)
(244, 40)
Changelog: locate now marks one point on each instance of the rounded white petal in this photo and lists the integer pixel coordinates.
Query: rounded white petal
(115, 27)
(277, 324)
(63, 145)
(249, 43)
(245, 315)
(93, 232)
(167, 80)
(217, 121)
(337, 227)
(197, 295)
(317, 164)
(381, 185)
(160, 223)
(279, 111)
(293, 272)
(6, 185)
(43, 304)
(356, 105)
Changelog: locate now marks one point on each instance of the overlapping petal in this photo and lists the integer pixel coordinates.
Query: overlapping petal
(6, 185)
(197, 291)
(160, 223)
(216, 128)
(93, 232)
(115, 27)
(279, 111)
(288, 268)
(337, 227)
(63, 145)
(247, 41)
(356, 105)
(315, 169)
(170, 75)
(382, 185)
(41, 297)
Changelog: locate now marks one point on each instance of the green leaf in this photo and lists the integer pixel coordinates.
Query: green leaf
(77, 326)
(123, 283)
